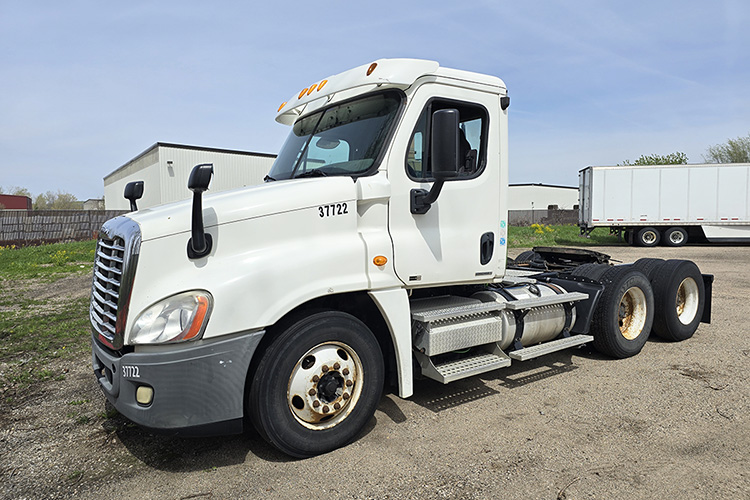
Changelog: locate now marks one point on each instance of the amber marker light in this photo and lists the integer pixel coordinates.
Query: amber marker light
(312, 88)
(197, 324)
(281, 107)
(371, 68)
(379, 261)
(302, 94)
(321, 84)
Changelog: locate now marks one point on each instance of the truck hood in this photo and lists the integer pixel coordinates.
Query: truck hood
(245, 203)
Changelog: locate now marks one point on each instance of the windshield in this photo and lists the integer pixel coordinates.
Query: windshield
(345, 139)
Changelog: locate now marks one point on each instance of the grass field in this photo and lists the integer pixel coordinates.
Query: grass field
(43, 311)
(551, 236)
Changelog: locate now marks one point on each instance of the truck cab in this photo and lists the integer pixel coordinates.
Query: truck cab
(374, 252)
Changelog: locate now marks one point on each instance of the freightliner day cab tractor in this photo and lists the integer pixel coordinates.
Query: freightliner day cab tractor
(374, 253)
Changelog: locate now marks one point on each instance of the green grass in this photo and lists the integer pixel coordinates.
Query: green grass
(35, 332)
(47, 261)
(538, 235)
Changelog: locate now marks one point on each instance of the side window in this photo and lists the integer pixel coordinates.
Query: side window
(473, 122)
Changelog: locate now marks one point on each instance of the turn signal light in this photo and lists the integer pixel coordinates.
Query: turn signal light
(379, 260)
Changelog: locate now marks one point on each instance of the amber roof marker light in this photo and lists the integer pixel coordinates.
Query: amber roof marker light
(371, 68)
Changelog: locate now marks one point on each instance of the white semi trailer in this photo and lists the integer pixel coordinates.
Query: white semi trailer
(374, 253)
(668, 204)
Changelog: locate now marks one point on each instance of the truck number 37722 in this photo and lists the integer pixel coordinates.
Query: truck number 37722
(333, 209)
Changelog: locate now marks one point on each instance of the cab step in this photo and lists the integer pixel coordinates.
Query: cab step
(469, 366)
(555, 345)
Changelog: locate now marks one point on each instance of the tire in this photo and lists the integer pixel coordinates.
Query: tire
(679, 297)
(648, 266)
(317, 384)
(675, 237)
(591, 271)
(647, 237)
(525, 257)
(624, 315)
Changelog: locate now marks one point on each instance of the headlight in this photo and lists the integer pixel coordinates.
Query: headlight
(178, 318)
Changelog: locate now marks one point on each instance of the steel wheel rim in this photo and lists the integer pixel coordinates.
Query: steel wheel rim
(649, 237)
(632, 313)
(325, 385)
(676, 237)
(687, 300)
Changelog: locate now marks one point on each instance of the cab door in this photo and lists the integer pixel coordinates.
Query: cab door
(461, 238)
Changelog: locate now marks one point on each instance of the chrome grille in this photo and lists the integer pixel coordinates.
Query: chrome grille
(105, 293)
(114, 269)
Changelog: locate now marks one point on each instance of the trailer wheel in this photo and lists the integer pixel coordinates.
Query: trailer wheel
(592, 271)
(648, 266)
(679, 296)
(317, 384)
(675, 237)
(647, 237)
(623, 318)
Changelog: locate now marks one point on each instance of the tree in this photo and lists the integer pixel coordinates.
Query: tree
(56, 201)
(734, 151)
(677, 158)
(16, 191)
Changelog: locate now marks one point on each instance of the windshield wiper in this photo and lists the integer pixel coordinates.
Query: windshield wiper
(311, 173)
(268, 178)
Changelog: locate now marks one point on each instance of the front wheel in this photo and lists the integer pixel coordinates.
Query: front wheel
(317, 384)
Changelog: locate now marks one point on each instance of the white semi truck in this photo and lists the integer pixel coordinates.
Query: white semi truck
(667, 204)
(374, 253)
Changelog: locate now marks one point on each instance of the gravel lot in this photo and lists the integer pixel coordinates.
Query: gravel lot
(672, 422)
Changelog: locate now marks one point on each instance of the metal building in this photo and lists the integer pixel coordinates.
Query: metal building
(164, 169)
(541, 196)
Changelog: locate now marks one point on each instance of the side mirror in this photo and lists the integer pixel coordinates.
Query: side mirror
(444, 149)
(444, 158)
(199, 245)
(133, 191)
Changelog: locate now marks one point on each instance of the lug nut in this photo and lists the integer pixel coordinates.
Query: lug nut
(345, 371)
(315, 378)
(324, 368)
(311, 392)
(316, 403)
(336, 406)
(345, 396)
(326, 409)
(349, 383)
(336, 366)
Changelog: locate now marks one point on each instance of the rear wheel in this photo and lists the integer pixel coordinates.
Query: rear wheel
(623, 318)
(680, 296)
(647, 237)
(591, 271)
(648, 266)
(675, 237)
(317, 384)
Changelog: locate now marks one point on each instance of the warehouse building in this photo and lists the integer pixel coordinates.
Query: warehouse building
(541, 196)
(164, 169)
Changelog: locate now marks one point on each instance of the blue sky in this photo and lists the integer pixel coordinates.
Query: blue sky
(85, 86)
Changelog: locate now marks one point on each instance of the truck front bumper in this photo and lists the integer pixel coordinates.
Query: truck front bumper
(195, 390)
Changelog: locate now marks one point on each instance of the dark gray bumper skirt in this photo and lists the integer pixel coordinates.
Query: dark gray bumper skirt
(198, 389)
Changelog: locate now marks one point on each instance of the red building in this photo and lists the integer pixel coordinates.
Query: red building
(13, 202)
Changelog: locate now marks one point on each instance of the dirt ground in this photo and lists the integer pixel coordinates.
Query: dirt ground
(672, 422)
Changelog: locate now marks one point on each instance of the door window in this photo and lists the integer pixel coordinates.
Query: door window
(473, 124)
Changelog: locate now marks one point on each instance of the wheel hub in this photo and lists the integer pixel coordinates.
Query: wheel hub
(632, 313)
(325, 385)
